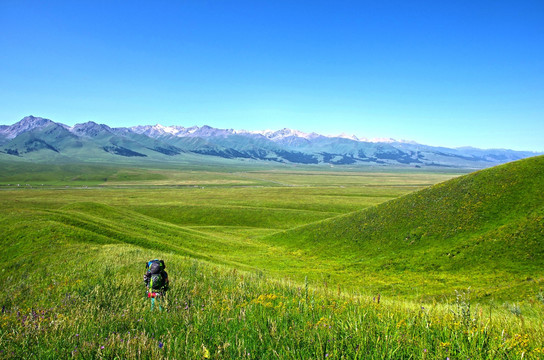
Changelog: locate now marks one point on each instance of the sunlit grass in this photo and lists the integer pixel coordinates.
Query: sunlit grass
(97, 308)
(250, 278)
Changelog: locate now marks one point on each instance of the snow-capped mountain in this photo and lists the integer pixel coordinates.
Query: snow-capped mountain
(28, 123)
(160, 130)
(156, 131)
(38, 138)
(286, 133)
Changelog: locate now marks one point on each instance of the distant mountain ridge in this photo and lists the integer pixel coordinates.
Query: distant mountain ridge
(36, 138)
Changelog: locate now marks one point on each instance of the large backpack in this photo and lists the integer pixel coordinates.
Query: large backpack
(156, 268)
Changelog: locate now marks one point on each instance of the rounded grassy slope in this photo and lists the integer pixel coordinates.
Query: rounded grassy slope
(486, 229)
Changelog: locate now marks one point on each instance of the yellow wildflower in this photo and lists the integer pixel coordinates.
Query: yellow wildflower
(205, 352)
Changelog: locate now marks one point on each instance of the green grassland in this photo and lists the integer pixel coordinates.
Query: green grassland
(283, 263)
(484, 230)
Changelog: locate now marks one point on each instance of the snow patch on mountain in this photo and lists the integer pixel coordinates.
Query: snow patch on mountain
(346, 136)
(284, 133)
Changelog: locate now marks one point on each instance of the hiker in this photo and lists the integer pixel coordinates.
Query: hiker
(155, 278)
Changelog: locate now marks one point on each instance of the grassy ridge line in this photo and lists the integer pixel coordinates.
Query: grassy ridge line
(137, 229)
(105, 218)
(488, 221)
(133, 228)
(229, 215)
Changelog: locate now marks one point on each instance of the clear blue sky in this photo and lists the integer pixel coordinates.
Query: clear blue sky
(450, 73)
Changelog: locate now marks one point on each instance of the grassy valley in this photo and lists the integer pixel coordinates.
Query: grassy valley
(283, 263)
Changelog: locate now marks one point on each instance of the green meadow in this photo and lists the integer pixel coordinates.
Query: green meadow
(267, 263)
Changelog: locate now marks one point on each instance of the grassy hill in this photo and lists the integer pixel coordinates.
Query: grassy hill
(484, 230)
(239, 247)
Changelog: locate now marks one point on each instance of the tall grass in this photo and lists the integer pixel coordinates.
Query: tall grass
(96, 308)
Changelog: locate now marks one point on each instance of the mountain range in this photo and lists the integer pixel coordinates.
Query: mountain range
(39, 139)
